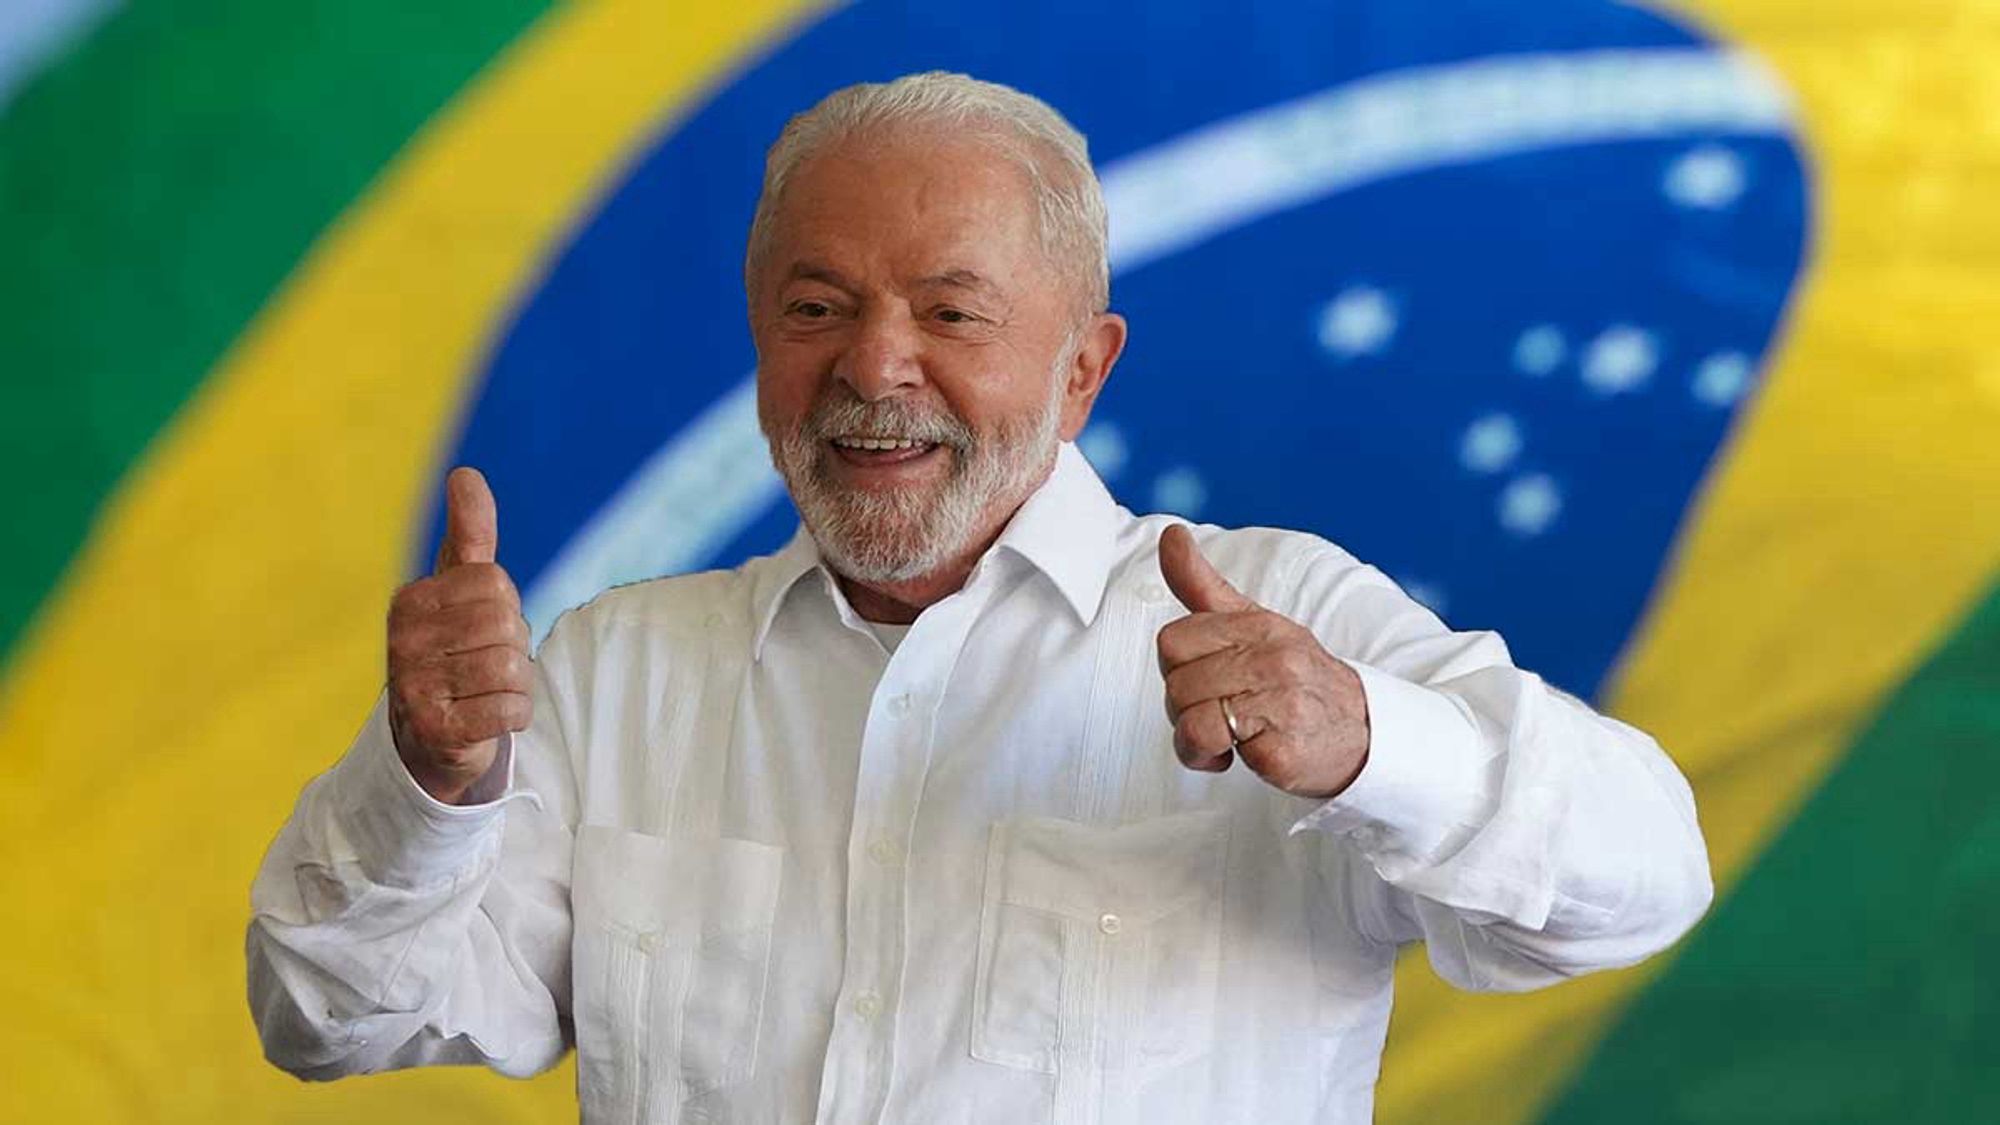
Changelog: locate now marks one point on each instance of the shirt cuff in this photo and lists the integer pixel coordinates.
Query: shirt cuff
(1426, 779)
(402, 835)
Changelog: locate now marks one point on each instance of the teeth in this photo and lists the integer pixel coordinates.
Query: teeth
(877, 444)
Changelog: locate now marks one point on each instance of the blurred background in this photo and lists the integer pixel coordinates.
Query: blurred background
(1664, 339)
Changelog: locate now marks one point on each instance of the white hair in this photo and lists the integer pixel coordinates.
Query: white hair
(1069, 202)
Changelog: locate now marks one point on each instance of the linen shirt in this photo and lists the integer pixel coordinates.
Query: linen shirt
(755, 867)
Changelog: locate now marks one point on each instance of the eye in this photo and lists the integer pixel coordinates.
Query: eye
(811, 310)
(955, 316)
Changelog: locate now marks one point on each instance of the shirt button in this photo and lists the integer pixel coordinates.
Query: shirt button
(868, 1005)
(900, 706)
(1111, 924)
(882, 851)
(1153, 592)
(713, 621)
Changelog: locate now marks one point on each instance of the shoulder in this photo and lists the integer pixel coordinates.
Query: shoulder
(704, 602)
(1277, 567)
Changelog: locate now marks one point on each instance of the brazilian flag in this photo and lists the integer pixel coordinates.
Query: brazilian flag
(1663, 339)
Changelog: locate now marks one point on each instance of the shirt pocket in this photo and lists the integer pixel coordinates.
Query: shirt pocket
(672, 953)
(1100, 947)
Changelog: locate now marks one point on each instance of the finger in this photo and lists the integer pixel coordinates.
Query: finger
(467, 675)
(461, 585)
(1192, 578)
(1232, 671)
(1201, 739)
(421, 638)
(471, 520)
(467, 721)
(439, 724)
(1198, 635)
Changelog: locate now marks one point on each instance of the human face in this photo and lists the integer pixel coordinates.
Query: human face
(918, 355)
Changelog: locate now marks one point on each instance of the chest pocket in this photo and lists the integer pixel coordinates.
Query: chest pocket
(672, 950)
(1099, 947)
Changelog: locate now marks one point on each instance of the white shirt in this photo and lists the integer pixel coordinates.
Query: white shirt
(758, 869)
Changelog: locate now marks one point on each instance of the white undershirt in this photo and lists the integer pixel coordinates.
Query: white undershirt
(890, 635)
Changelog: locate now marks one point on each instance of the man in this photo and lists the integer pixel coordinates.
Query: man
(936, 814)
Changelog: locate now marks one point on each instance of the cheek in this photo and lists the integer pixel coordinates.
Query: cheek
(1005, 391)
(781, 403)
(787, 384)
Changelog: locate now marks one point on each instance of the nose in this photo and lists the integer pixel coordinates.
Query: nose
(884, 356)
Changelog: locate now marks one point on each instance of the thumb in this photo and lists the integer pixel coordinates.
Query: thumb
(471, 520)
(1191, 577)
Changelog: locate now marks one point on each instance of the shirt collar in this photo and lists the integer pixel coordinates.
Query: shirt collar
(1067, 529)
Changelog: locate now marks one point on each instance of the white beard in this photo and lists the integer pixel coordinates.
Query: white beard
(900, 535)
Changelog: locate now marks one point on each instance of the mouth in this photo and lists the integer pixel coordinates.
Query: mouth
(881, 451)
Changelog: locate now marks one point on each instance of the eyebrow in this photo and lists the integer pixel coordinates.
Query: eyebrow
(973, 282)
(814, 271)
(960, 278)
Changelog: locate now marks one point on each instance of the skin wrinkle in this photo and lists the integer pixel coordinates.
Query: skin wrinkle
(855, 337)
(909, 294)
(1079, 257)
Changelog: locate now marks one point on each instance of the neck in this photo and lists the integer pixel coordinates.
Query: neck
(899, 603)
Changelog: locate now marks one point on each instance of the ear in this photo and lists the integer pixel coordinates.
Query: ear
(1102, 341)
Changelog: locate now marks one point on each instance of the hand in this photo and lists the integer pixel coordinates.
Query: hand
(458, 651)
(1299, 709)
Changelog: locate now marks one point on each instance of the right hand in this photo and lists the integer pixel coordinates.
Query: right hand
(459, 665)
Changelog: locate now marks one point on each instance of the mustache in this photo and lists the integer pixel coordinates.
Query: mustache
(848, 413)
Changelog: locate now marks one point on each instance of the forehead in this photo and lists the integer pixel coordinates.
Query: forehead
(894, 204)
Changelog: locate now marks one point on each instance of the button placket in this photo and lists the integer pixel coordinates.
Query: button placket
(882, 850)
(868, 1005)
(895, 759)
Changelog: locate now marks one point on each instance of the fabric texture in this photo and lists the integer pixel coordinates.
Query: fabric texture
(754, 866)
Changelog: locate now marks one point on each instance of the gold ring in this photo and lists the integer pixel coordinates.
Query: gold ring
(1229, 718)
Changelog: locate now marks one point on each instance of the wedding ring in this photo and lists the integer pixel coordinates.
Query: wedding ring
(1229, 718)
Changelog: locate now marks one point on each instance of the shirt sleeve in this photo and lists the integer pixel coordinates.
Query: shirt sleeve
(391, 930)
(1522, 836)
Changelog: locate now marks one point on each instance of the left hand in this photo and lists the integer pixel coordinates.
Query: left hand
(1299, 709)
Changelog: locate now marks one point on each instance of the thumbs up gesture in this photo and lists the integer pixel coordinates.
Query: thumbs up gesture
(1299, 718)
(458, 651)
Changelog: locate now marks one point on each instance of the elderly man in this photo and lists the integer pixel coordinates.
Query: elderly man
(935, 815)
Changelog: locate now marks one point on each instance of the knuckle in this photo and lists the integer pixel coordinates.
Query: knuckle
(407, 642)
(1295, 664)
(495, 619)
(1190, 734)
(520, 712)
(458, 729)
(493, 581)
(1293, 709)
(411, 596)
(406, 688)
(1275, 766)
(429, 725)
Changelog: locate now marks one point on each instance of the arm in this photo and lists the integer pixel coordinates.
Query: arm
(415, 909)
(391, 930)
(1523, 836)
